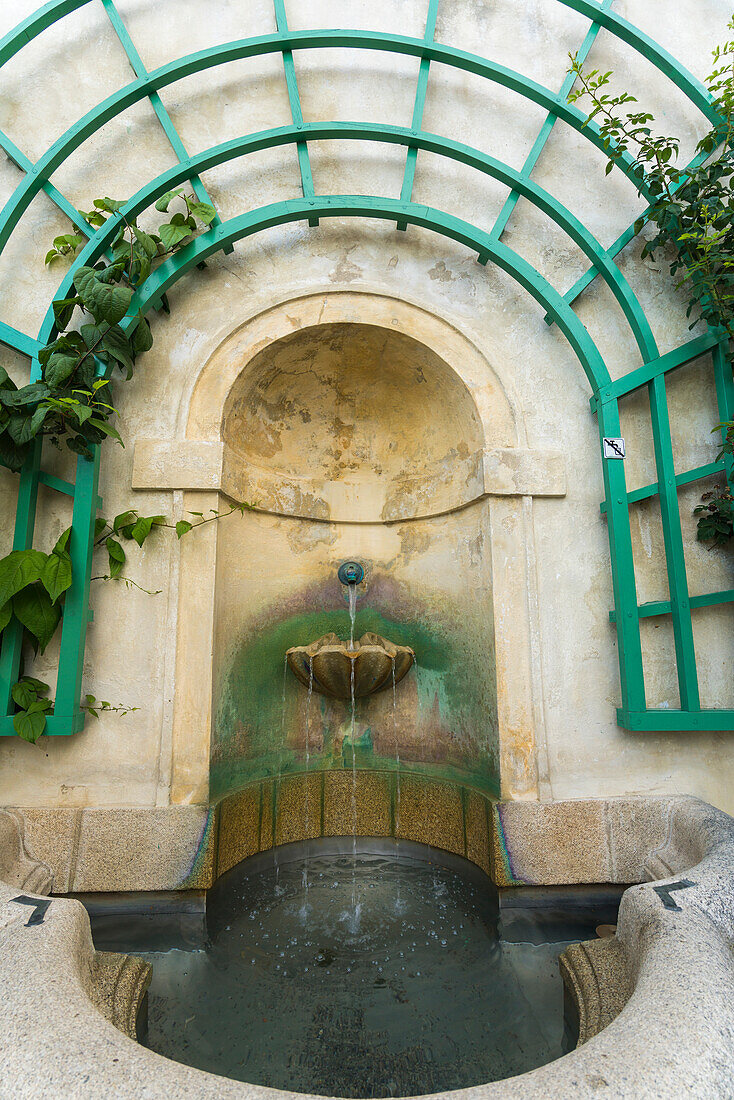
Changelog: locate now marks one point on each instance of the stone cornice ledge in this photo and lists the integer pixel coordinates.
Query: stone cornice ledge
(203, 466)
(674, 1036)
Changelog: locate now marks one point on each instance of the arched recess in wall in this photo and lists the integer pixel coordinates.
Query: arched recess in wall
(247, 617)
(634, 712)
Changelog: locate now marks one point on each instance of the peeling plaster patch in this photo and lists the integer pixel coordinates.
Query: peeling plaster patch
(345, 271)
(303, 538)
(441, 272)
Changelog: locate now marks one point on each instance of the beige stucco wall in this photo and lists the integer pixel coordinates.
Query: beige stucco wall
(549, 553)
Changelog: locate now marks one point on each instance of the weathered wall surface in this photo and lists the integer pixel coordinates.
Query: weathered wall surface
(553, 549)
(358, 423)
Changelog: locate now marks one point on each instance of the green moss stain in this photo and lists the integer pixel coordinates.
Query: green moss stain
(447, 703)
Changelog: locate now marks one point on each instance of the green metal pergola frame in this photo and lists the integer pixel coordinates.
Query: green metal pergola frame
(488, 246)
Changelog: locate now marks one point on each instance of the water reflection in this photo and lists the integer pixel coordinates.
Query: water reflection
(419, 994)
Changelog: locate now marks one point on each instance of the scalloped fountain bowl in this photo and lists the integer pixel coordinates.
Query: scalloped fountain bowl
(330, 662)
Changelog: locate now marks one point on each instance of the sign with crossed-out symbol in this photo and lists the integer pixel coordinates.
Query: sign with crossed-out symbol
(613, 447)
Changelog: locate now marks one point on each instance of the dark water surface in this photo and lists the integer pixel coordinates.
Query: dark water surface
(386, 977)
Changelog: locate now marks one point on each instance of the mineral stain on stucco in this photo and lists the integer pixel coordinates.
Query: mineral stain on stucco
(444, 720)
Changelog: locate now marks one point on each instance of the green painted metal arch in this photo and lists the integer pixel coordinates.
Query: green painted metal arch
(662, 60)
(68, 717)
(245, 225)
(50, 13)
(138, 89)
(237, 147)
(371, 206)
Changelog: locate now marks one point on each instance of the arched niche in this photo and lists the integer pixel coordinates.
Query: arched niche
(452, 575)
(353, 423)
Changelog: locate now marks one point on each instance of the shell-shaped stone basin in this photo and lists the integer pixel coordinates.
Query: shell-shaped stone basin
(331, 660)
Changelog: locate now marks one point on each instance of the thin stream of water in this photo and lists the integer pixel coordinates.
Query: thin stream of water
(355, 907)
(304, 911)
(397, 779)
(352, 612)
(280, 770)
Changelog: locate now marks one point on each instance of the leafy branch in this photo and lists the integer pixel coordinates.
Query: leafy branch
(73, 403)
(692, 212)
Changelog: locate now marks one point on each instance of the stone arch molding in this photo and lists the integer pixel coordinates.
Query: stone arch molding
(203, 461)
(197, 464)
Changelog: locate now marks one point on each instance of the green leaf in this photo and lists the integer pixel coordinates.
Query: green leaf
(33, 607)
(124, 519)
(164, 200)
(38, 418)
(10, 455)
(116, 557)
(81, 412)
(5, 613)
(204, 211)
(30, 725)
(20, 428)
(27, 395)
(116, 343)
(67, 242)
(107, 429)
(92, 334)
(23, 694)
(62, 541)
(56, 575)
(18, 569)
(79, 445)
(99, 526)
(143, 527)
(63, 310)
(38, 685)
(110, 206)
(182, 527)
(142, 337)
(60, 366)
(146, 242)
(105, 301)
(171, 235)
(93, 217)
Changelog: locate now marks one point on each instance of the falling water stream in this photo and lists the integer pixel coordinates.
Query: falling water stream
(355, 908)
(280, 770)
(352, 589)
(352, 612)
(304, 911)
(397, 780)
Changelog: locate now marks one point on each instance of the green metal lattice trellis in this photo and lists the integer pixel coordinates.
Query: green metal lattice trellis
(311, 207)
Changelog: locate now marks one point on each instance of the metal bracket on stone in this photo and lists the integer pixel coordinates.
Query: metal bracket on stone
(664, 892)
(40, 905)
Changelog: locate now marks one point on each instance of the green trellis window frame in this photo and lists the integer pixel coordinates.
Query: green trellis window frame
(634, 714)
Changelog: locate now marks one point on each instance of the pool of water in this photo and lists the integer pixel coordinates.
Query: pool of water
(383, 975)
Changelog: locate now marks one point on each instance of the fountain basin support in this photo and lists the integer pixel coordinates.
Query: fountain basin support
(327, 665)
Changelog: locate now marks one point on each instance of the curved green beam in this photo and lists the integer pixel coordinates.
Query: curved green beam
(370, 206)
(141, 88)
(284, 135)
(662, 60)
(50, 13)
(620, 539)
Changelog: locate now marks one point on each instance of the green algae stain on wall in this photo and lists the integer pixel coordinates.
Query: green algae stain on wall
(443, 723)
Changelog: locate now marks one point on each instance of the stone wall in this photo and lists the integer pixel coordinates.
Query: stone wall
(552, 714)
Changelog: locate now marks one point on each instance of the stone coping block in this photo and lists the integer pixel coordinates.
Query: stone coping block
(674, 1035)
(616, 840)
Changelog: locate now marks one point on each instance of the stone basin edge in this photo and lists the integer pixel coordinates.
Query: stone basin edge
(674, 1035)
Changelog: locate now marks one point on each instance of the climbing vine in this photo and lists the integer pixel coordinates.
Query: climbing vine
(692, 212)
(72, 405)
